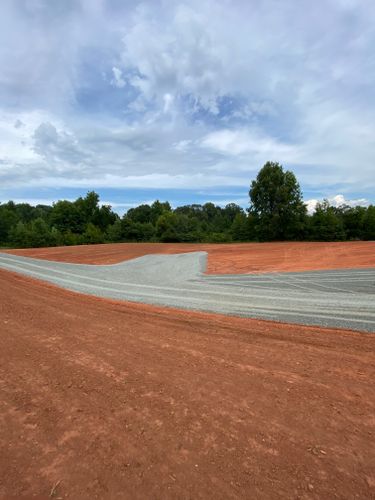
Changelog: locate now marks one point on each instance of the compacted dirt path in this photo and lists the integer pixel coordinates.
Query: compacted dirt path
(101, 399)
(237, 258)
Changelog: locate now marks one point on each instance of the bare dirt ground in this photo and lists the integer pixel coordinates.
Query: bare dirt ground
(238, 258)
(101, 399)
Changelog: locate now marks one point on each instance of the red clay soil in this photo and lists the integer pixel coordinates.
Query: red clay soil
(237, 258)
(101, 399)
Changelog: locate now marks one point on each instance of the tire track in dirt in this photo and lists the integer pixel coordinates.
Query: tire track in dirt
(111, 399)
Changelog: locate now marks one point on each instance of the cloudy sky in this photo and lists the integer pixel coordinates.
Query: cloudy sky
(185, 101)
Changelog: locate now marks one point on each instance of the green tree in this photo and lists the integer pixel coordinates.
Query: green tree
(230, 212)
(114, 231)
(87, 207)
(25, 212)
(19, 235)
(159, 208)
(240, 228)
(276, 203)
(104, 217)
(177, 227)
(40, 234)
(92, 234)
(136, 231)
(65, 217)
(353, 221)
(325, 224)
(68, 238)
(43, 212)
(8, 219)
(142, 214)
(369, 223)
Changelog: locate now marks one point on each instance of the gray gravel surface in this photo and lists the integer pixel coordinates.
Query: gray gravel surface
(339, 298)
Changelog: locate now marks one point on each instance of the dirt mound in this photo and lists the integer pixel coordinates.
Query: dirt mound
(238, 258)
(101, 399)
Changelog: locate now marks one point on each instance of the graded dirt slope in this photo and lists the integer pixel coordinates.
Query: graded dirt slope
(101, 399)
(237, 258)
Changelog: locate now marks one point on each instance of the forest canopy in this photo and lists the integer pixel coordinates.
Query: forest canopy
(276, 213)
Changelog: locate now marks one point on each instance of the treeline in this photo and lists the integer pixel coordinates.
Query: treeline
(276, 213)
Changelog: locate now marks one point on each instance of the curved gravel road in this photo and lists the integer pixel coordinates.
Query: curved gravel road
(339, 298)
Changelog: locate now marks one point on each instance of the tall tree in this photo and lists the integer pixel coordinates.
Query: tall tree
(276, 204)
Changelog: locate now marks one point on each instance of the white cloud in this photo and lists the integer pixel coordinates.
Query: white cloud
(183, 145)
(337, 200)
(58, 146)
(194, 93)
(33, 201)
(174, 54)
(247, 142)
(16, 142)
(118, 80)
(168, 102)
(311, 205)
(18, 124)
(154, 181)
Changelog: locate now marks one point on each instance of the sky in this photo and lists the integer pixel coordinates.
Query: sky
(185, 101)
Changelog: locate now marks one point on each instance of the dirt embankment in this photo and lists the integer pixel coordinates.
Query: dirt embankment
(113, 400)
(238, 258)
